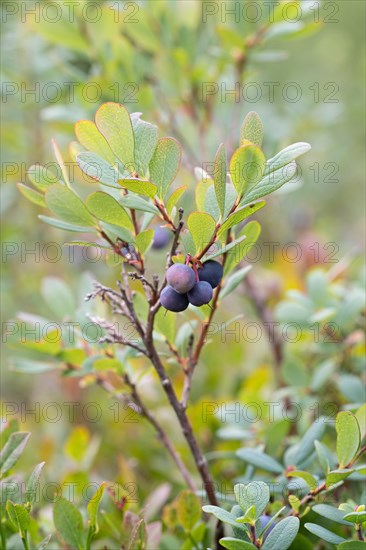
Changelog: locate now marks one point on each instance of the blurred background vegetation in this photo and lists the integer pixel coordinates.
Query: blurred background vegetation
(157, 61)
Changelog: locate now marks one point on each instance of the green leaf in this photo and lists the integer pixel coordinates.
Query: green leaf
(308, 478)
(236, 544)
(114, 122)
(252, 129)
(188, 510)
(41, 177)
(323, 533)
(32, 485)
(260, 460)
(246, 168)
(254, 493)
(93, 506)
(234, 281)
(348, 437)
(58, 296)
(146, 140)
(107, 209)
(165, 164)
(141, 187)
(271, 183)
(61, 162)
(356, 517)
(64, 225)
(31, 367)
(64, 203)
(202, 227)
(323, 455)
(144, 240)
(223, 516)
(19, 517)
(283, 534)
(240, 215)
(89, 137)
(222, 248)
(361, 419)
(351, 545)
(335, 476)
(174, 198)
(200, 193)
(306, 446)
(12, 450)
(220, 177)
(31, 194)
(68, 522)
(138, 203)
(211, 205)
(331, 513)
(239, 251)
(249, 516)
(118, 232)
(98, 169)
(285, 156)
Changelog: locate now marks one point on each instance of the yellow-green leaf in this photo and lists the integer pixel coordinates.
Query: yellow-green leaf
(174, 198)
(246, 168)
(93, 506)
(107, 209)
(189, 510)
(201, 227)
(252, 129)
(144, 240)
(68, 206)
(348, 437)
(141, 187)
(90, 137)
(220, 177)
(114, 122)
(240, 215)
(165, 163)
(31, 194)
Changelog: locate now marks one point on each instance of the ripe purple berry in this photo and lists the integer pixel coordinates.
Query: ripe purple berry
(161, 237)
(181, 278)
(200, 294)
(172, 300)
(211, 272)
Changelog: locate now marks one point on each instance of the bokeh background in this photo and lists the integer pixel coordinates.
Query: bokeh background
(161, 57)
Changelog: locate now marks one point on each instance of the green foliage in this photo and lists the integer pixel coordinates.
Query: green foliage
(126, 183)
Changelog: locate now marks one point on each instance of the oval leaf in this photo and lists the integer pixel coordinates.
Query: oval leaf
(107, 209)
(141, 187)
(240, 215)
(246, 168)
(165, 163)
(201, 227)
(64, 203)
(89, 137)
(348, 437)
(68, 522)
(282, 535)
(252, 129)
(114, 122)
(220, 177)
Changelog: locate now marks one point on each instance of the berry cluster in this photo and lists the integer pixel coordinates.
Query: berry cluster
(187, 285)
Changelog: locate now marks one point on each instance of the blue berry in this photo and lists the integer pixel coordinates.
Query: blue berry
(161, 237)
(181, 278)
(172, 300)
(200, 294)
(211, 272)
